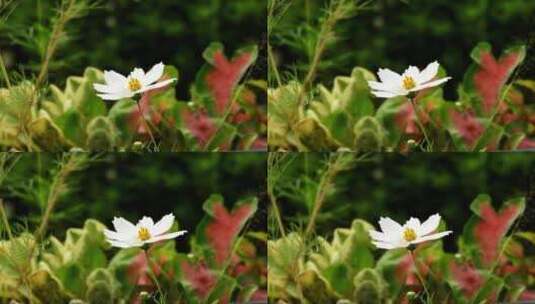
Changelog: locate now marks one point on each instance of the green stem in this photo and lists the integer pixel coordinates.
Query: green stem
(3, 213)
(151, 273)
(147, 126)
(420, 123)
(273, 66)
(420, 276)
(4, 71)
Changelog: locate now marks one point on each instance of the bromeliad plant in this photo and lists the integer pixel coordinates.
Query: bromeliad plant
(225, 111)
(493, 264)
(224, 263)
(494, 111)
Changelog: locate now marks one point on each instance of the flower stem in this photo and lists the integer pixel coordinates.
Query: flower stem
(419, 122)
(151, 273)
(4, 219)
(420, 276)
(4, 71)
(147, 126)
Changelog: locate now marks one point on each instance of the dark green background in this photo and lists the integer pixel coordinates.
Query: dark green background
(395, 34)
(122, 34)
(133, 185)
(419, 185)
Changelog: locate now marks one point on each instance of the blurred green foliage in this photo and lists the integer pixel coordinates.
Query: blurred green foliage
(132, 185)
(401, 186)
(394, 34)
(122, 34)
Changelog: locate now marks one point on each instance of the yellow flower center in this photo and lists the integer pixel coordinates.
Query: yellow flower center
(408, 83)
(409, 235)
(134, 84)
(143, 234)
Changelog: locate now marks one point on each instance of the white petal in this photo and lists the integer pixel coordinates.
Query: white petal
(102, 88)
(413, 223)
(431, 237)
(430, 225)
(389, 226)
(112, 235)
(166, 236)
(137, 73)
(428, 73)
(412, 71)
(379, 236)
(382, 94)
(388, 76)
(384, 245)
(146, 222)
(117, 96)
(125, 244)
(163, 225)
(379, 86)
(154, 74)
(123, 226)
(114, 79)
(156, 85)
(430, 84)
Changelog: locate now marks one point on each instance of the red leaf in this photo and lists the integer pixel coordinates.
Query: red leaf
(467, 277)
(528, 295)
(469, 128)
(492, 75)
(406, 271)
(138, 271)
(526, 144)
(225, 76)
(225, 227)
(200, 125)
(201, 279)
(491, 228)
(143, 114)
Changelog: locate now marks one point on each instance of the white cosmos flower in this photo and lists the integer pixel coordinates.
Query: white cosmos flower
(128, 235)
(118, 86)
(394, 235)
(412, 80)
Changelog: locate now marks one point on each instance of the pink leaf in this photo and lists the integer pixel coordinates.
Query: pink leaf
(200, 125)
(225, 75)
(225, 227)
(467, 277)
(201, 279)
(469, 128)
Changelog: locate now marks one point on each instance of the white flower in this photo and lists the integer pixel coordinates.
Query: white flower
(129, 235)
(392, 84)
(394, 235)
(118, 86)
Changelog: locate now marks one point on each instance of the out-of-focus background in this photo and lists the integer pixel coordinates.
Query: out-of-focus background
(398, 33)
(122, 34)
(416, 185)
(133, 185)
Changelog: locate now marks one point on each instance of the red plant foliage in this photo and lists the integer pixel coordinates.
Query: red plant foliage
(200, 125)
(468, 126)
(491, 228)
(225, 76)
(202, 279)
(491, 76)
(224, 227)
(467, 277)
(406, 119)
(527, 143)
(138, 270)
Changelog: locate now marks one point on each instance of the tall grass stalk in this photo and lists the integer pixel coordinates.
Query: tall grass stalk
(336, 163)
(337, 10)
(70, 163)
